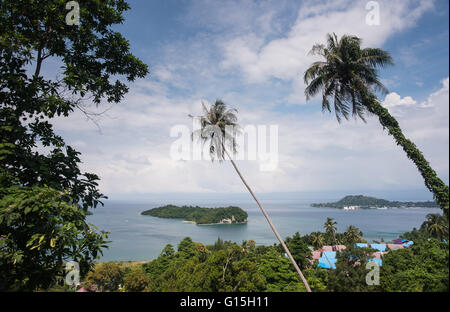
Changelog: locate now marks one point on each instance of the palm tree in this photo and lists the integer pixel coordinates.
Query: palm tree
(352, 234)
(348, 78)
(330, 228)
(317, 239)
(216, 129)
(436, 226)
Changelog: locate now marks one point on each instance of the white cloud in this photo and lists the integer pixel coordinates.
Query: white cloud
(287, 58)
(132, 152)
(426, 124)
(393, 100)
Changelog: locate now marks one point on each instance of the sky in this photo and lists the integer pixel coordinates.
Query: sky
(252, 55)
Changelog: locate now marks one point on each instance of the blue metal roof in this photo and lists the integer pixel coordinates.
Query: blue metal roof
(379, 247)
(329, 254)
(408, 244)
(379, 261)
(329, 263)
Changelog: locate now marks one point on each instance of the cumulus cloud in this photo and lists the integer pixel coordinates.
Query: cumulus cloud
(132, 153)
(286, 58)
(393, 99)
(258, 69)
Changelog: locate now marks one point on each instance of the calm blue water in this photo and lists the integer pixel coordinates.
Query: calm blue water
(136, 237)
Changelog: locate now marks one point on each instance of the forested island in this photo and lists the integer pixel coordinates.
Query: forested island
(366, 202)
(200, 215)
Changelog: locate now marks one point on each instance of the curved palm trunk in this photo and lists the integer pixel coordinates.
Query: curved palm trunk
(432, 181)
(270, 223)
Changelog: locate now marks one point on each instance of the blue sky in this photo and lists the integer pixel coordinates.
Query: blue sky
(252, 54)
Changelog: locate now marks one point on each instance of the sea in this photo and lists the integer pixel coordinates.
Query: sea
(135, 237)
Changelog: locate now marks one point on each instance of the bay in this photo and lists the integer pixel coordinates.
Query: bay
(139, 238)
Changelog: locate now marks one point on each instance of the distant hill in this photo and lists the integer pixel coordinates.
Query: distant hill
(372, 202)
(199, 215)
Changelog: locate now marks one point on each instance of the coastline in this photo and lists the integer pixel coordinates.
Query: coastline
(220, 223)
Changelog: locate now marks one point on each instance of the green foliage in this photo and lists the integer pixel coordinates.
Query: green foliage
(277, 272)
(39, 232)
(369, 202)
(218, 127)
(227, 266)
(436, 226)
(317, 279)
(195, 268)
(330, 230)
(136, 280)
(352, 235)
(350, 273)
(421, 267)
(44, 194)
(317, 240)
(199, 215)
(299, 250)
(107, 276)
(94, 60)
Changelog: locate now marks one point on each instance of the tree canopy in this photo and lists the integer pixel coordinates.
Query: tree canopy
(44, 195)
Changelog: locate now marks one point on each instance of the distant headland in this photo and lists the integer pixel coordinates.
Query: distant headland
(353, 202)
(200, 215)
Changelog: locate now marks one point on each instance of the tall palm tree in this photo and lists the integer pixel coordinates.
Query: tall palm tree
(215, 128)
(317, 239)
(330, 228)
(436, 225)
(352, 234)
(347, 77)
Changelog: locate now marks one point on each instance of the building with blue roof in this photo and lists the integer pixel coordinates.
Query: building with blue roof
(379, 247)
(329, 254)
(378, 261)
(361, 245)
(327, 263)
(408, 244)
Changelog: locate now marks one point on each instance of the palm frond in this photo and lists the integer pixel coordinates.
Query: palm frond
(218, 127)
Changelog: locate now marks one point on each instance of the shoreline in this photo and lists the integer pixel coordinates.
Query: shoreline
(220, 223)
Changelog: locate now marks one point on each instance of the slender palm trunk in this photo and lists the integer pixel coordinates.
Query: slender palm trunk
(439, 189)
(270, 223)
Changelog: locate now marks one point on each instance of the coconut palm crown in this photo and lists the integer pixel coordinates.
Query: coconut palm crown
(347, 76)
(218, 126)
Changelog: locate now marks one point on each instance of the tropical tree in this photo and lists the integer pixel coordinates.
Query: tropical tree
(436, 225)
(348, 79)
(95, 63)
(39, 232)
(107, 276)
(317, 239)
(136, 280)
(218, 128)
(423, 267)
(44, 194)
(299, 250)
(352, 234)
(330, 229)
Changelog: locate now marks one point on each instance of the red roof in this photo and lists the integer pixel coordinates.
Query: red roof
(339, 247)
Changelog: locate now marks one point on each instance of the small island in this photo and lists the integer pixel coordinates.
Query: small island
(200, 215)
(353, 202)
